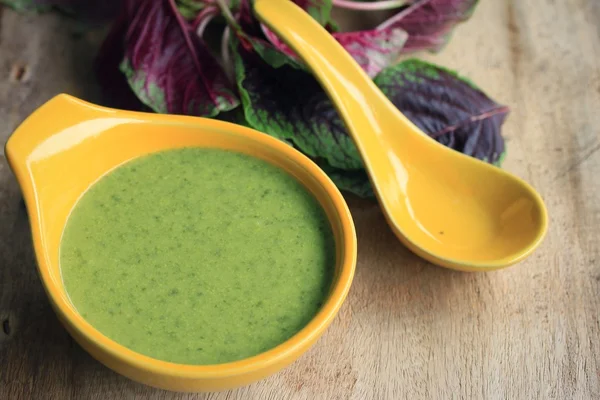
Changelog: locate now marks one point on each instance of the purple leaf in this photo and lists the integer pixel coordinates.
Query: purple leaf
(450, 109)
(429, 22)
(289, 104)
(423, 25)
(167, 66)
(372, 50)
(249, 34)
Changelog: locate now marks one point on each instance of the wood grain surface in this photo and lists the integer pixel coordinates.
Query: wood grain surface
(409, 330)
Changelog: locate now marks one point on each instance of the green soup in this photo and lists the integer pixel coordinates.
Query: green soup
(197, 256)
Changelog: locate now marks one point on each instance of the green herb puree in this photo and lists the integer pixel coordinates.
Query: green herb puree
(197, 256)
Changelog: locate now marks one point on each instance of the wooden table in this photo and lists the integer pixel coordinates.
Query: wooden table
(408, 329)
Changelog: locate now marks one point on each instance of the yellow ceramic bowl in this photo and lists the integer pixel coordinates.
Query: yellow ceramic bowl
(67, 145)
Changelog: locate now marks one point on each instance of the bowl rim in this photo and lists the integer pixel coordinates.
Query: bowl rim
(292, 347)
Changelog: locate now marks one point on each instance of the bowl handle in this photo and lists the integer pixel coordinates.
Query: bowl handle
(33, 136)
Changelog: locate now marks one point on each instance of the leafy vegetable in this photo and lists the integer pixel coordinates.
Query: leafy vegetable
(422, 24)
(168, 67)
(159, 56)
(429, 23)
(289, 104)
(250, 34)
(352, 181)
(320, 10)
(190, 8)
(373, 50)
(447, 107)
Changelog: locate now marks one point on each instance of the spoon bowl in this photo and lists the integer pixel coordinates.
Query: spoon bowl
(449, 208)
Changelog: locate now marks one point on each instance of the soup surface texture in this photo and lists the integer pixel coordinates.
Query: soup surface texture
(197, 256)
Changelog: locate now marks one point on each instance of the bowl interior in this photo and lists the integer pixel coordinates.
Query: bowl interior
(64, 166)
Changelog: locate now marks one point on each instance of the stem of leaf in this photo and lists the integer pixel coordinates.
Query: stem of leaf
(370, 6)
(226, 55)
(231, 23)
(203, 19)
(224, 6)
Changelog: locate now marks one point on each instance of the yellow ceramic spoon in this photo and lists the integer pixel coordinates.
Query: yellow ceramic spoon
(448, 208)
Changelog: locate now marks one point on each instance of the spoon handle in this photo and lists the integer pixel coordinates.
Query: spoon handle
(363, 107)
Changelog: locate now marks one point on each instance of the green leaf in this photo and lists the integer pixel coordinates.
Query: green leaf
(190, 8)
(320, 10)
(356, 182)
(289, 104)
(272, 55)
(235, 116)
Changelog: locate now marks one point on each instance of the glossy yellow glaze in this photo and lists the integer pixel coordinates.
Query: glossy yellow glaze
(67, 145)
(451, 209)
